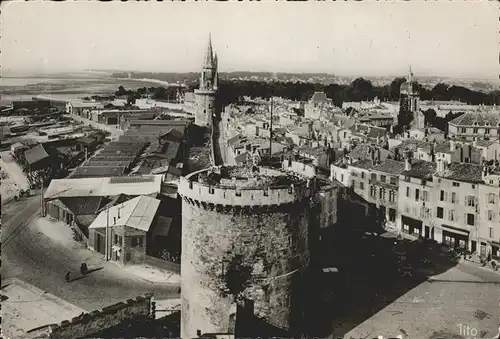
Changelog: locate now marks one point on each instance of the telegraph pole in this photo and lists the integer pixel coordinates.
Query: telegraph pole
(106, 252)
(271, 133)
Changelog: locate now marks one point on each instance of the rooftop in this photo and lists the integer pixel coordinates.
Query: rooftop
(137, 213)
(421, 169)
(477, 119)
(390, 166)
(245, 177)
(463, 172)
(104, 187)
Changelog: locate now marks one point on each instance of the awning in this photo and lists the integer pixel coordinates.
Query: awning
(455, 230)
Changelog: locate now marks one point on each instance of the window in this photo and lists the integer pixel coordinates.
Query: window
(237, 193)
(392, 196)
(382, 178)
(425, 196)
(373, 191)
(456, 184)
(491, 232)
(491, 198)
(406, 229)
(470, 219)
(136, 241)
(453, 197)
(417, 194)
(211, 190)
(440, 212)
(374, 176)
(362, 175)
(491, 215)
(475, 130)
(392, 214)
(341, 178)
(382, 194)
(393, 181)
(471, 201)
(361, 185)
(442, 196)
(452, 215)
(473, 186)
(352, 183)
(407, 192)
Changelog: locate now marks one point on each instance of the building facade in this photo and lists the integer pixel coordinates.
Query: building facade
(475, 126)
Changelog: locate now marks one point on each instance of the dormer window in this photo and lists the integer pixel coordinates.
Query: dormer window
(487, 123)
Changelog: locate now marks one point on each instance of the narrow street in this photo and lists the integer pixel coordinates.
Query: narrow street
(31, 256)
(16, 179)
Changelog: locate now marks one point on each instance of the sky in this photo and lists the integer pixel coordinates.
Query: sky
(437, 38)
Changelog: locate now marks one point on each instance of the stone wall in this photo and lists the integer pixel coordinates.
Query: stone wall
(273, 240)
(94, 322)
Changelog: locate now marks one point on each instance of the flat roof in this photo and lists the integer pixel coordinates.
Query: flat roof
(103, 187)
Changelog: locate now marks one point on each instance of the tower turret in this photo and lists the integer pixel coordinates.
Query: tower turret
(206, 94)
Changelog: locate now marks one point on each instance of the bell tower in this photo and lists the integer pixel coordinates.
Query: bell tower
(205, 96)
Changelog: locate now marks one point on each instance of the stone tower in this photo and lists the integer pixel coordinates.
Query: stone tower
(206, 94)
(255, 219)
(409, 101)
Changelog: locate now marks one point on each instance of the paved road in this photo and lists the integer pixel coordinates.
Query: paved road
(35, 258)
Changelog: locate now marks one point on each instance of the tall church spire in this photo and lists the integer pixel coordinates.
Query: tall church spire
(209, 55)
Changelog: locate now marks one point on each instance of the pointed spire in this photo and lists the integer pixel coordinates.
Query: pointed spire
(209, 55)
(410, 77)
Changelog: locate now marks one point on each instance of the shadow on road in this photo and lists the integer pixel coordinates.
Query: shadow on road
(368, 280)
(86, 274)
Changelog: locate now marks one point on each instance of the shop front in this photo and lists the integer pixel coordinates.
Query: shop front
(411, 226)
(455, 237)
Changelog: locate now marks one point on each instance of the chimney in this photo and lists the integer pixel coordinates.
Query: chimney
(474, 143)
(440, 165)
(407, 161)
(452, 145)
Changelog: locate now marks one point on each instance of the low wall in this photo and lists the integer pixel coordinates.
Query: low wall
(163, 264)
(90, 323)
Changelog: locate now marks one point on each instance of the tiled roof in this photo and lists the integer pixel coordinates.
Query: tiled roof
(421, 169)
(464, 172)
(98, 171)
(479, 118)
(390, 166)
(486, 143)
(363, 163)
(363, 151)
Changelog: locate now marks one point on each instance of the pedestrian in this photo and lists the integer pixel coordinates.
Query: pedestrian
(67, 276)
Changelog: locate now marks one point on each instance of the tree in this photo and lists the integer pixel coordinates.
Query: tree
(121, 91)
(430, 117)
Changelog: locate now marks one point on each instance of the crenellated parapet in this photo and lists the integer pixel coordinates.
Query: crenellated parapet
(231, 198)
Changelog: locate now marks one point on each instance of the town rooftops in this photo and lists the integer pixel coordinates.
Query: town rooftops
(486, 143)
(464, 172)
(86, 104)
(104, 187)
(480, 119)
(421, 169)
(364, 151)
(137, 213)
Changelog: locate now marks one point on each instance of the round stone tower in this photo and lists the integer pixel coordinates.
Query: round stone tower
(252, 221)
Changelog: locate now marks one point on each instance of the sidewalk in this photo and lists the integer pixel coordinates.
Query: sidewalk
(153, 274)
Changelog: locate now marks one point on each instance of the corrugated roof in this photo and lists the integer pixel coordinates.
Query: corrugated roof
(137, 213)
(103, 187)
